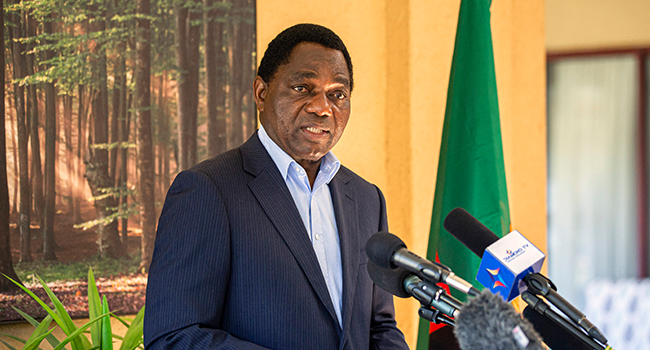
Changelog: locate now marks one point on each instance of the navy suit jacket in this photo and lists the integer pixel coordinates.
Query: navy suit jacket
(233, 266)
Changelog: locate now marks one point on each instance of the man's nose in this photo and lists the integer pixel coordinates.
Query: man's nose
(319, 105)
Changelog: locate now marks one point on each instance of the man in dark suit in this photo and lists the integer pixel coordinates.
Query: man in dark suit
(263, 246)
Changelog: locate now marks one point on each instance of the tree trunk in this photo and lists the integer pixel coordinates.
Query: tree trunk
(144, 136)
(118, 73)
(115, 116)
(215, 63)
(69, 149)
(243, 109)
(50, 161)
(211, 70)
(6, 264)
(165, 139)
(23, 161)
(99, 179)
(250, 69)
(236, 136)
(194, 42)
(187, 59)
(184, 132)
(125, 102)
(79, 171)
(161, 141)
(13, 127)
(32, 112)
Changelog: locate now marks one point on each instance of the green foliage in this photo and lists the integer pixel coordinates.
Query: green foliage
(121, 211)
(116, 192)
(100, 326)
(56, 271)
(110, 146)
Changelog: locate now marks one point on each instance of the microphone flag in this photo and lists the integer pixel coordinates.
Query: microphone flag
(506, 262)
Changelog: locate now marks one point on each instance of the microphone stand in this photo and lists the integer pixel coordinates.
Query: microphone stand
(435, 316)
(542, 307)
(542, 286)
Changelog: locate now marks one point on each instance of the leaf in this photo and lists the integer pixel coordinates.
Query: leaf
(94, 309)
(107, 332)
(7, 345)
(122, 320)
(36, 342)
(14, 338)
(66, 324)
(79, 331)
(29, 319)
(50, 338)
(133, 336)
(40, 328)
(54, 315)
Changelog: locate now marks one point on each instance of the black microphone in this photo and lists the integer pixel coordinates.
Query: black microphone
(541, 307)
(402, 283)
(488, 323)
(389, 252)
(475, 236)
(469, 231)
(556, 337)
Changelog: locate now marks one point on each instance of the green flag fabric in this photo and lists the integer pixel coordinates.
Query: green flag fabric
(471, 173)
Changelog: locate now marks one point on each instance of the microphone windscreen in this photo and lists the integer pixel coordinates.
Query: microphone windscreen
(380, 248)
(469, 231)
(390, 280)
(555, 336)
(488, 323)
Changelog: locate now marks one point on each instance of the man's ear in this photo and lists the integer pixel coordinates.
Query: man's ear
(259, 92)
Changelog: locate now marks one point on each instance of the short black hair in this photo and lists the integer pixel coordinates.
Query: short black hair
(280, 48)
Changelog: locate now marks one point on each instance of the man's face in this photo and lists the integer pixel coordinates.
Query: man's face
(306, 106)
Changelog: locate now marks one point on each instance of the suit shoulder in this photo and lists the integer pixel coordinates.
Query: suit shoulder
(224, 173)
(348, 175)
(222, 167)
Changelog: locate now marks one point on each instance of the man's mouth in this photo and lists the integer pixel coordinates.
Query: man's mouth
(315, 130)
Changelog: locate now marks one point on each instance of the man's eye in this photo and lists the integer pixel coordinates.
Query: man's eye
(300, 88)
(340, 95)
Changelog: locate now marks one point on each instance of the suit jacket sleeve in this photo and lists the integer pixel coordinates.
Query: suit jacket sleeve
(384, 333)
(190, 270)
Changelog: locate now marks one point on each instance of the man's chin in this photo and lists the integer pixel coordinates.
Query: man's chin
(311, 157)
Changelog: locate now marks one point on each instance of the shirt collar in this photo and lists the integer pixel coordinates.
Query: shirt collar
(329, 165)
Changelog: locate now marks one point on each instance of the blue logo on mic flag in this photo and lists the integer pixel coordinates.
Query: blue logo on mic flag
(496, 279)
(506, 262)
(495, 276)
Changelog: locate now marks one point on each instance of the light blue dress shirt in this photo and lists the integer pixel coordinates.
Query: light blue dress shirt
(317, 212)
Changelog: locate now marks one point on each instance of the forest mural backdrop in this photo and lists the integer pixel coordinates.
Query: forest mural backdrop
(105, 102)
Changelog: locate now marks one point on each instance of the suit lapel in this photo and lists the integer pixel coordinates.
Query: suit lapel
(273, 195)
(345, 210)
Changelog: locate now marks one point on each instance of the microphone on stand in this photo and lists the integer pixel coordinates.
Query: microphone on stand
(505, 262)
(555, 335)
(488, 323)
(511, 265)
(389, 252)
(402, 283)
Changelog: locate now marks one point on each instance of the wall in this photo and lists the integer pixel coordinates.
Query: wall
(596, 24)
(401, 51)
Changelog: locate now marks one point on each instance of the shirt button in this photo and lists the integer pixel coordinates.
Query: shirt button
(317, 236)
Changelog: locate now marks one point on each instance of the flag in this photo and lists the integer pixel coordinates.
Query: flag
(471, 174)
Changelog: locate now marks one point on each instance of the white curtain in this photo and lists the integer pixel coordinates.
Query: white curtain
(592, 210)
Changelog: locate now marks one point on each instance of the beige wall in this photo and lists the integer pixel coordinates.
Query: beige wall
(401, 51)
(596, 24)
